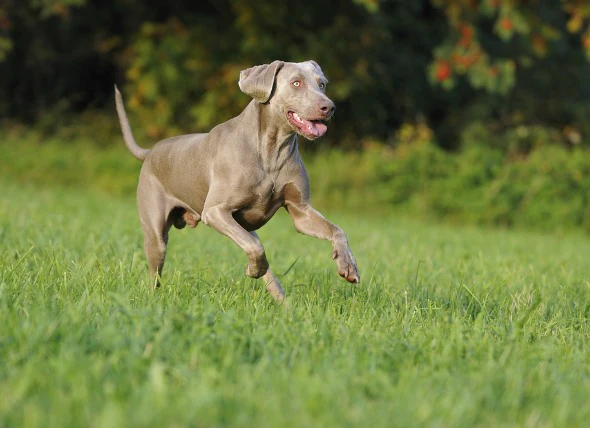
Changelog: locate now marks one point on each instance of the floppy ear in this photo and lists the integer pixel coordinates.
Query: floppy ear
(315, 65)
(258, 81)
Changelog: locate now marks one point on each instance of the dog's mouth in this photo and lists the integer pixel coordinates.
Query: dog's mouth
(310, 129)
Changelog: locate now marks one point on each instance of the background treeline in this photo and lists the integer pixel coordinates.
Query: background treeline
(470, 110)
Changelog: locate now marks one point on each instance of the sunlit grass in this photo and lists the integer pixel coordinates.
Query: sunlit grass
(450, 326)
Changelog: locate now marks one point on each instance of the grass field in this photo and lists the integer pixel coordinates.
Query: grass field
(449, 327)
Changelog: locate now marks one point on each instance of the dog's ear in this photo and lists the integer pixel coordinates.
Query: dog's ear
(315, 65)
(258, 81)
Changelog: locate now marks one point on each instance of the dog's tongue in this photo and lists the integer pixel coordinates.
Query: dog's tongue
(316, 128)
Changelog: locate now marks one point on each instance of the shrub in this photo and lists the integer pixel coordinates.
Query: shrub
(547, 189)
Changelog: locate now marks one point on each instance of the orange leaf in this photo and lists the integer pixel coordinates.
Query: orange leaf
(443, 71)
(466, 35)
(506, 24)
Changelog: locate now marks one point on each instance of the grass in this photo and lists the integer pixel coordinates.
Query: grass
(450, 326)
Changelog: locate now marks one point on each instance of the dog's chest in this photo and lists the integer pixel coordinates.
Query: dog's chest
(264, 204)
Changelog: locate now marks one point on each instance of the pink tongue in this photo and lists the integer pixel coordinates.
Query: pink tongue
(316, 128)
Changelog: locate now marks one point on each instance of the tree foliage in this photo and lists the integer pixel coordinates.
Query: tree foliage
(441, 62)
(529, 28)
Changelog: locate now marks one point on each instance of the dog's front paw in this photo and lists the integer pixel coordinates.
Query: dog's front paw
(347, 267)
(257, 267)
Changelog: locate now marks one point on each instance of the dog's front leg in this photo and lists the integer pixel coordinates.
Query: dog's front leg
(220, 218)
(311, 222)
(271, 282)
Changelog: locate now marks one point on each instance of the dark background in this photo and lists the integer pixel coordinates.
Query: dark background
(465, 110)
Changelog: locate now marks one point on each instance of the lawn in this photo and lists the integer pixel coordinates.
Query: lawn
(450, 326)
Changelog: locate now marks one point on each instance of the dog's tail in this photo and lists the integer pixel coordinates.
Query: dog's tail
(139, 152)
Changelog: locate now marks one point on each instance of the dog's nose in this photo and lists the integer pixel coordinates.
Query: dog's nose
(327, 108)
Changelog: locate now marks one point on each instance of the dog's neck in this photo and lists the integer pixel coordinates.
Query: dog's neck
(275, 140)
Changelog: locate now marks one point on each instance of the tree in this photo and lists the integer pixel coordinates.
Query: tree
(528, 29)
(178, 63)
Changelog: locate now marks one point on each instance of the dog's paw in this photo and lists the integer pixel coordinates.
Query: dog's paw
(347, 267)
(257, 268)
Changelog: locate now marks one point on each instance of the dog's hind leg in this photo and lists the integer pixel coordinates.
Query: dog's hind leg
(154, 244)
(155, 222)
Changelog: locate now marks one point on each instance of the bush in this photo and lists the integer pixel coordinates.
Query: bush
(547, 189)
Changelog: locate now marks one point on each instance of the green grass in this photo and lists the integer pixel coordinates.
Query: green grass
(449, 327)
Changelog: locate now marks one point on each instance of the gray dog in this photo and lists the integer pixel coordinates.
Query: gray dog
(236, 177)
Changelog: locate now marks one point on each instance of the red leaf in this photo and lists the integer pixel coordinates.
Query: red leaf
(443, 71)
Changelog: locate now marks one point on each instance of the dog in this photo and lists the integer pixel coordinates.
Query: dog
(236, 177)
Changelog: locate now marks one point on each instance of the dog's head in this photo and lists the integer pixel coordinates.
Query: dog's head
(296, 90)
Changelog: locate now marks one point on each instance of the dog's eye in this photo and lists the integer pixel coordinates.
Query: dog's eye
(296, 83)
(322, 85)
